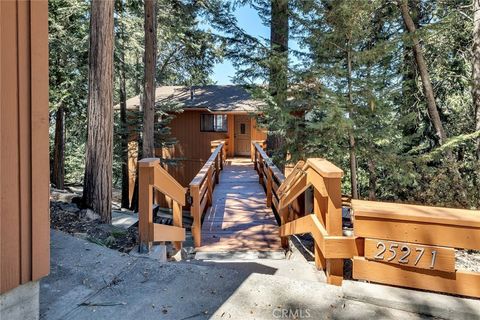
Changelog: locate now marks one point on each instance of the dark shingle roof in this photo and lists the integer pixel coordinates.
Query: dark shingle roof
(216, 98)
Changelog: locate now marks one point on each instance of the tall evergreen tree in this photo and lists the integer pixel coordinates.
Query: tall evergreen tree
(97, 188)
(150, 26)
(476, 69)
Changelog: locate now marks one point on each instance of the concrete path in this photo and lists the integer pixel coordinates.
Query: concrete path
(88, 281)
(239, 219)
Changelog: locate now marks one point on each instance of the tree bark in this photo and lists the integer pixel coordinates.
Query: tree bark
(123, 116)
(372, 180)
(149, 84)
(351, 136)
(423, 70)
(58, 174)
(278, 64)
(476, 69)
(97, 189)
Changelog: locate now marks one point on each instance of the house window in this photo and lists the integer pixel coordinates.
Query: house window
(213, 123)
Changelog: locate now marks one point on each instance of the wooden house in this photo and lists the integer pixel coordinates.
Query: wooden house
(207, 114)
(24, 165)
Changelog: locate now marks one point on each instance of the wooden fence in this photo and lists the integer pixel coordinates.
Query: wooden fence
(153, 177)
(202, 185)
(414, 246)
(394, 244)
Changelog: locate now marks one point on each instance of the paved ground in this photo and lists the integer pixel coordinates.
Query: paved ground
(88, 281)
(239, 219)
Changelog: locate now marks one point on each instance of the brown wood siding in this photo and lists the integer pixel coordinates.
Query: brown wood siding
(192, 147)
(192, 144)
(24, 161)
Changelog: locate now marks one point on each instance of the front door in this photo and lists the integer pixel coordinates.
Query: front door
(242, 135)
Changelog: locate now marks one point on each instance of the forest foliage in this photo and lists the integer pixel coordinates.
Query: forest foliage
(351, 73)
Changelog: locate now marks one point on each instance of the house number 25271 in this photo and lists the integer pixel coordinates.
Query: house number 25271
(403, 254)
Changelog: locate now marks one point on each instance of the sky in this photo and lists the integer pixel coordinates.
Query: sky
(249, 21)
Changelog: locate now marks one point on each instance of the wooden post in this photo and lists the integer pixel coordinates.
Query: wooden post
(333, 220)
(195, 211)
(319, 210)
(260, 170)
(252, 150)
(269, 187)
(177, 220)
(222, 156)
(255, 160)
(145, 202)
(209, 186)
(217, 171)
(283, 220)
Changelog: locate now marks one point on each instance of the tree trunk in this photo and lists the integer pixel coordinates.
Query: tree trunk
(351, 136)
(58, 174)
(476, 69)
(423, 70)
(123, 118)
(149, 85)
(97, 189)
(372, 180)
(278, 65)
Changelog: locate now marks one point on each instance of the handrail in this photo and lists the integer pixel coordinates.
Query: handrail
(201, 188)
(153, 176)
(403, 228)
(325, 224)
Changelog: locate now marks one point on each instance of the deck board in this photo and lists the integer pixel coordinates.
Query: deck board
(239, 219)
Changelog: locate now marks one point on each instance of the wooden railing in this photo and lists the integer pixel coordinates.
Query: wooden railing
(414, 246)
(201, 188)
(325, 223)
(396, 244)
(153, 177)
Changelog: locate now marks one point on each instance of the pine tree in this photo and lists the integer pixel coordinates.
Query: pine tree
(476, 69)
(97, 190)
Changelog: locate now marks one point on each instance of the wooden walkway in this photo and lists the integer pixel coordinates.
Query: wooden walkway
(239, 219)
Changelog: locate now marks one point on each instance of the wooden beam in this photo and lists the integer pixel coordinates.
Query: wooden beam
(162, 232)
(461, 282)
(177, 221)
(331, 247)
(409, 212)
(325, 168)
(454, 236)
(166, 184)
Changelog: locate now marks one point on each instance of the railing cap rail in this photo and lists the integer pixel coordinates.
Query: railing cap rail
(410, 212)
(198, 179)
(325, 168)
(148, 162)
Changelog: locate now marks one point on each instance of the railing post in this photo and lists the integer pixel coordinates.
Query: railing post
(334, 227)
(177, 220)
(145, 202)
(329, 212)
(318, 210)
(222, 151)
(260, 170)
(269, 187)
(195, 212)
(255, 160)
(217, 172)
(284, 213)
(209, 186)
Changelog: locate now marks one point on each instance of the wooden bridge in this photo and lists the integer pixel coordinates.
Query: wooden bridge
(248, 204)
